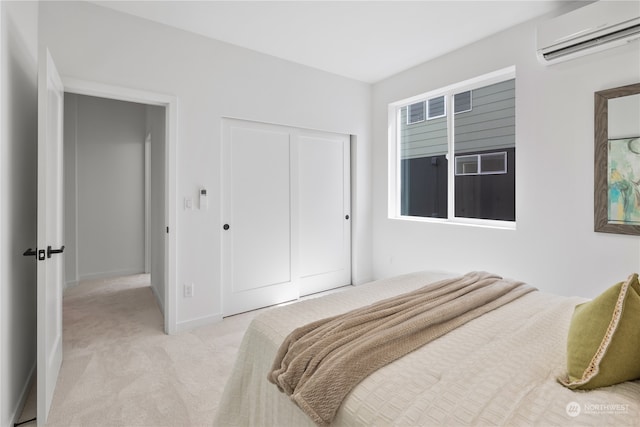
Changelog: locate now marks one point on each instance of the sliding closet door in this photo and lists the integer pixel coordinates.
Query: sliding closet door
(324, 211)
(286, 214)
(259, 252)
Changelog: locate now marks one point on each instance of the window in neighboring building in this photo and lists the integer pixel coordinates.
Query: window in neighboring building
(462, 102)
(415, 113)
(437, 107)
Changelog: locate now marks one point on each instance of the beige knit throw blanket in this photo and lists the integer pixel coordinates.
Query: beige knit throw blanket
(320, 363)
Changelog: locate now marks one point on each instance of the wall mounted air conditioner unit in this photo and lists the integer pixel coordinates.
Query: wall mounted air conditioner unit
(597, 26)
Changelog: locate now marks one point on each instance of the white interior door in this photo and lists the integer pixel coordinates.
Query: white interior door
(259, 250)
(324, 211)
(50, 233)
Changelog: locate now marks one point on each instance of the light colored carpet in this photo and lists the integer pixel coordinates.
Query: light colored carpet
(120, 369)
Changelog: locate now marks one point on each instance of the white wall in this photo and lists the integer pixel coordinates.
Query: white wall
(211, 80)
(554, 247)
(107, 137)
(18, 200)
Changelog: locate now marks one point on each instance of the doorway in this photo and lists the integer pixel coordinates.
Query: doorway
(114, 190)
(158, 172)
(50, 272)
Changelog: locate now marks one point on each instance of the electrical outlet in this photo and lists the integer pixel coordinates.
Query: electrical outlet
(188, 290)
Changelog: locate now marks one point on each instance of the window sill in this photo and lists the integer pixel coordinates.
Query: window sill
(465, 222)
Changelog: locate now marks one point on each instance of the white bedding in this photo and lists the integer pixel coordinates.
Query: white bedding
(499, 369)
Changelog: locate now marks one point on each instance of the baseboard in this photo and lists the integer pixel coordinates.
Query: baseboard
(110, 274)
(196, 323)
(24, 394)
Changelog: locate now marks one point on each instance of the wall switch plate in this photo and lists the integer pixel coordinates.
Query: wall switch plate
(188, 290)
(204, 205)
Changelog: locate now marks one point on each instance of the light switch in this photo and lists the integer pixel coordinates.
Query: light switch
(188, 203)
(203, 199)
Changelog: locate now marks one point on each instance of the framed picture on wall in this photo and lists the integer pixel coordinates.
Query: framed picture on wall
(617, 160)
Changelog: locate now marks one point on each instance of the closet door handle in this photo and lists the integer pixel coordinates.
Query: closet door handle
(346, 217)
(226, 226)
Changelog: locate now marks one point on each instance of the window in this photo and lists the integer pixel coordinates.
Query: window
(437, 107)
(482, 164)
(462, 102)
(415, 113)
(472, 123)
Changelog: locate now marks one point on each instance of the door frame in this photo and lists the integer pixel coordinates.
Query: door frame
(170, 102)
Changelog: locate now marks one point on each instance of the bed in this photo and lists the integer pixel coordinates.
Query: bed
(498, 369)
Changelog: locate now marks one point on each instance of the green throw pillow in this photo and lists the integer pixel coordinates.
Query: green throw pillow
(603, 347)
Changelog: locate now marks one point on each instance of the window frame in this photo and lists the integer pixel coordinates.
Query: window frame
(394, 112)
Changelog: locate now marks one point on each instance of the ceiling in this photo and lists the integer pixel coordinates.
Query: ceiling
(362, 40)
